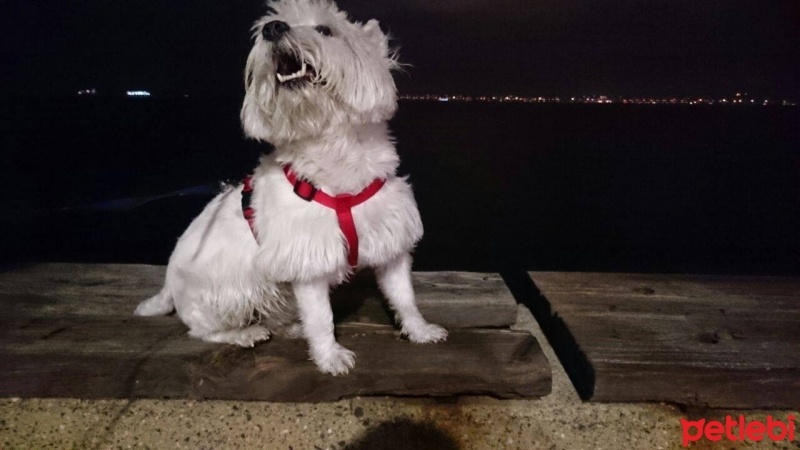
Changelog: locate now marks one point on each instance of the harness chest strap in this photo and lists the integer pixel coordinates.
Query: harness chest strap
(247, 197)
(342, 204)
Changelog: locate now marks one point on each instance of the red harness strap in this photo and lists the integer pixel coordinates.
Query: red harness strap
(247, 210)
(342, 204)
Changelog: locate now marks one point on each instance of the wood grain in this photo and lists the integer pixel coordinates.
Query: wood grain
(715, 341)
(130, 357)
(67, 330)
(451, 299)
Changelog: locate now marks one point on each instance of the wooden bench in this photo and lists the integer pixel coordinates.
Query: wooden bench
(717, 341)
(67, 330)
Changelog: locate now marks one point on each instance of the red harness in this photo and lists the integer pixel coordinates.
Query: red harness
(342, 204)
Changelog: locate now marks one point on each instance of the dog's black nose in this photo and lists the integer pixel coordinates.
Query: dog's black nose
(273, 31)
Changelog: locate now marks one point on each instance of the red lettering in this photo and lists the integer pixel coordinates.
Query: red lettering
(755, 431)
(741, 427)
(729, 425)
(771, 424)
(714, 430)
(776, 430)
(686, 425)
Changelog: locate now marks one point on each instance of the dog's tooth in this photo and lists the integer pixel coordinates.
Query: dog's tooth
(300, 73)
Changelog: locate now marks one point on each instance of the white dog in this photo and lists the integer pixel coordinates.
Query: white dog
(325, 203)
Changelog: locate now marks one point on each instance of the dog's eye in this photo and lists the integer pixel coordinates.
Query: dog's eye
(323, 30)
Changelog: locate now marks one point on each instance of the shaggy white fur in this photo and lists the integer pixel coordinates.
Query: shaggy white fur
(319, 88)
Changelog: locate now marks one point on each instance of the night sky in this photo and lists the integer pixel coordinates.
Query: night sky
(539, 47)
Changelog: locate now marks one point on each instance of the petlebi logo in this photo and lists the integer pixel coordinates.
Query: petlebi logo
(738, 429)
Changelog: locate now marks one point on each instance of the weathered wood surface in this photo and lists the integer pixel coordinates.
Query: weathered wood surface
(452, 299)
(68, 331)
(128, 357)
(715, 341)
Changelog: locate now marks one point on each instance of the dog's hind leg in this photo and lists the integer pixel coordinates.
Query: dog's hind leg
(157, 305)
(394, 280)
(243, 337)
(313, 301)
(207, 321)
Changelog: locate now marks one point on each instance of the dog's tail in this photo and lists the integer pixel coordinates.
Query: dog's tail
(158, 305)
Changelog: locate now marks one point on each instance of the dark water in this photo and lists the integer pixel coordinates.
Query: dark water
(545, 187)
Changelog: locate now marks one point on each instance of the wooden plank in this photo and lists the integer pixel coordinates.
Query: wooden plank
(717, 341)
(67, 330)
(127, 357)
(452, 299)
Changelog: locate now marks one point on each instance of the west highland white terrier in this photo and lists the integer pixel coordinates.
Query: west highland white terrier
(323, 204)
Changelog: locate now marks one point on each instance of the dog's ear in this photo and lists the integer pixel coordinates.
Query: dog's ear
(254, 123)
(373, 30)
(374, 95)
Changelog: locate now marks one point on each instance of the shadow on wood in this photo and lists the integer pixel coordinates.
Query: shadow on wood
(709, 341)
(578, 367)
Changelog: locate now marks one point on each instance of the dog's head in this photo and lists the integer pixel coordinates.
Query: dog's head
(311, 70)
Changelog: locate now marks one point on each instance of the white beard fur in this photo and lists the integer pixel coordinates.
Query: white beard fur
(227, 286)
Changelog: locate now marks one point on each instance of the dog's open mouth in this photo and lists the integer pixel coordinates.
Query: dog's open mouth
(292, 72)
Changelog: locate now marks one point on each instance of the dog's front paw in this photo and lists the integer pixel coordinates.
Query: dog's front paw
(335, 360)
(423, 332)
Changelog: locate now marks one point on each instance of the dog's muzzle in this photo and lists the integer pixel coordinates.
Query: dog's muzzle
(292, 72)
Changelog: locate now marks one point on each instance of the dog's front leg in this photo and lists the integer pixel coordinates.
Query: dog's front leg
(394, 280)
(313, 301)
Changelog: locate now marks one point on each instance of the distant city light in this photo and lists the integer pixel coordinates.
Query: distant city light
(138, 94)
(737, 99)
(91, 91)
